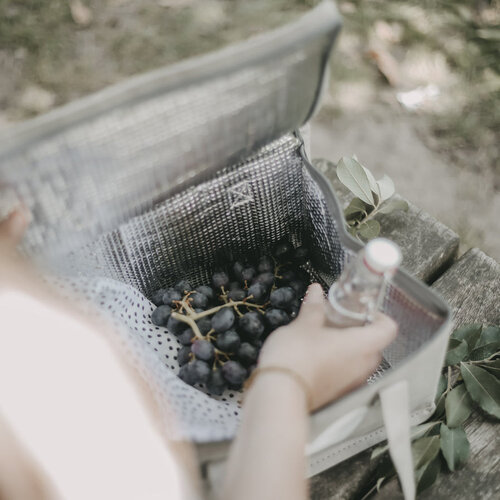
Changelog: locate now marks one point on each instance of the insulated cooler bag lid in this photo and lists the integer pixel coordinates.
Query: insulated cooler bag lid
(87, 167)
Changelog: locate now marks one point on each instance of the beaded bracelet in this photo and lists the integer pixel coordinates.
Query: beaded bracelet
(287, 371)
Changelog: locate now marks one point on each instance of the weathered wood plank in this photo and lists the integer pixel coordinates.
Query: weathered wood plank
(428, 246)
(342, 481)
(472, 287)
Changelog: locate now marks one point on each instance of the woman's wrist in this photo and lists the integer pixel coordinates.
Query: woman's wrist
(278, 387)
(283, 373)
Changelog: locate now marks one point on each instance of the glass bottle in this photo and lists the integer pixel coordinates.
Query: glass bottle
(356, 296)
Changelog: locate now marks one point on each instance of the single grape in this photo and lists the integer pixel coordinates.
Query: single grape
(282, 250)
(258, 293)
(157, 297)
(228, 341)
(300, 255)
(203, 350)
(298, 287)
(252, 325)
(282, 297)
(223, 320)
(170, 295)
(234, 285)
(266, 279)
(234, 372)
(186, 374)
(247, 354)
(216, 383)
(195, 372)
(256, 343)
(276, 318)
(183, 287)
(160, 315)
(176, 326)
(201, 370)
(184, 355)
(220, 279)
(288, 276)
(247, 274)
(237, 295)
(237, 270)
(186, 337)
(266, 265)
(199, 300)
(207, 291)
(204, 325)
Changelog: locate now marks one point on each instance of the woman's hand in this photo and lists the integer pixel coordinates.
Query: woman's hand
(11, 231)
(330, 360)
(12, 228)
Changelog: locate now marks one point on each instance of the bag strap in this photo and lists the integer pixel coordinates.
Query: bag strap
(396, 413)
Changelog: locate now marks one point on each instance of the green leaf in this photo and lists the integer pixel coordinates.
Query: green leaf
(424, 450)
(419, 431)
(455, 446)
(458, 406)
(356, 206)
(427, 474)
(469, 333)
(351, 230)
(492, 366)
(416, 432)
(392, 205)
(373, 183)
(380, 480)
(369, 229)
(484, 351)
(489, 335)
(440, 405)
(457, 350)
(352, 174)
(442, 385)
(483, 387)
(379, 450)
(386, 187)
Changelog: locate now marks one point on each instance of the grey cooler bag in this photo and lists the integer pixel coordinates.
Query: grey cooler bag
(146, 181)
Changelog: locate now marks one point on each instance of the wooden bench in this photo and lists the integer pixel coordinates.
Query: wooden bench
(471, 285)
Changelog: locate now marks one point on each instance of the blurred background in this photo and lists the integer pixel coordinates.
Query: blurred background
(414, 88)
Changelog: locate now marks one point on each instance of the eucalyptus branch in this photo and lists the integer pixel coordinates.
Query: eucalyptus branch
(486, 360)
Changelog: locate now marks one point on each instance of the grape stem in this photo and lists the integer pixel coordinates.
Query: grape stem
(216, 309)
(218, 353)
(187, 318)
(191, 316)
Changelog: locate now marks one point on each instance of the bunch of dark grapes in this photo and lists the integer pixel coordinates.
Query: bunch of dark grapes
(223, 325)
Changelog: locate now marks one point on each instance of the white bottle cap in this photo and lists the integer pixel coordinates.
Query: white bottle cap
(382, 256)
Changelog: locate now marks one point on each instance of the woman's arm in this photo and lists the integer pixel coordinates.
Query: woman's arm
(267, 459)
(72, 422)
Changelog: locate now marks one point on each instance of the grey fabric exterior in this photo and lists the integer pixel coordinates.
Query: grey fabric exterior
(147, 182)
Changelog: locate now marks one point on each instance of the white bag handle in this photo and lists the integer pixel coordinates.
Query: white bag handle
(396, 414)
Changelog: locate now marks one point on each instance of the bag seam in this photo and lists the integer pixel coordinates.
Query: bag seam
(365, 437)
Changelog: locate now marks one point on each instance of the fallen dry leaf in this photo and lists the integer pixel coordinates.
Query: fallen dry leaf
(80, 13)
(35, 99)
(386, 64)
